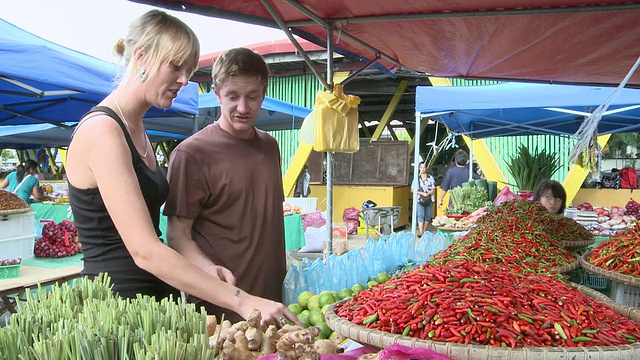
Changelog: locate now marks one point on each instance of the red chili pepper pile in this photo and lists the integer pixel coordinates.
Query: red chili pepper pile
(11, 201)
(489, 305)
(621, 253)
(517, 234)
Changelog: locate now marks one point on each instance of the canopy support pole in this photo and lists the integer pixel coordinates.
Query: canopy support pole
(329, 249)
(416, 170)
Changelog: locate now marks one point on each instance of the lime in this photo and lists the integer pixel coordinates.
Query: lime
(304, 319)
(325, 330)
(345, 293)
(303, 299)
(357, 288)
(372, 283)
(382, 278)
(316, 317)
(314, 303)
(326, 299)
(324, 308)
(295, 308)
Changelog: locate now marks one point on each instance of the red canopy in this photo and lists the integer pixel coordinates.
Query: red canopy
(567, 41)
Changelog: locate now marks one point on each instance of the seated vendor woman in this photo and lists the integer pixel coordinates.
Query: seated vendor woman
(24, 183)
(552, 196)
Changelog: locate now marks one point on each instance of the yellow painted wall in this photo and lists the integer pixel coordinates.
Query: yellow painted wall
(605, 197)
(346, 196)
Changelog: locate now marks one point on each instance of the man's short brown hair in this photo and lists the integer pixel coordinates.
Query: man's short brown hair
(240, 62)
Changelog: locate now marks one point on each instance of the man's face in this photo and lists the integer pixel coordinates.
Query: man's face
(240, 100)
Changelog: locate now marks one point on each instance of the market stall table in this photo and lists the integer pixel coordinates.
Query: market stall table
(37, 271)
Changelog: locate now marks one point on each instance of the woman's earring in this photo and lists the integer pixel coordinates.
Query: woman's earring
(141, 73)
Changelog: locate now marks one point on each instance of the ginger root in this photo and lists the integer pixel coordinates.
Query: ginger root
(324, 346)
(212, 323)
(271, 337)
(254, 338)
(302, 337)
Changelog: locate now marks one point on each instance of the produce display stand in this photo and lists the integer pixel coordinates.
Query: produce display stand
(379, 340)
(625, 289)
(12, 290)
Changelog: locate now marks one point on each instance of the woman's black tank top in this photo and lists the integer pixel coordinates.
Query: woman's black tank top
(102, 247)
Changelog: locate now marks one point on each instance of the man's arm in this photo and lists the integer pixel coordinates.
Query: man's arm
(179, 238)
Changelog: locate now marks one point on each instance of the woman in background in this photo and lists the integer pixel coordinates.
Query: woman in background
(23, 182)
(426, 190)
(552, 196)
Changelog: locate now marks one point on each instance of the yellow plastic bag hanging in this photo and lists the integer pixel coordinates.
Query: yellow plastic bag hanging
(336, 122)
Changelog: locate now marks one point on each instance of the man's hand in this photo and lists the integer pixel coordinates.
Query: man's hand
(224, 274)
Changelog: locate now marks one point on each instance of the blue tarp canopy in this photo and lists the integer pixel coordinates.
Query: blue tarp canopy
(511, 109)
(45, 89)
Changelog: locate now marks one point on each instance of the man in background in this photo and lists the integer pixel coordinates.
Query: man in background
(456, 175)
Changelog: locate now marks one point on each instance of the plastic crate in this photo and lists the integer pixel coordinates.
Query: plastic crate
(590, 280)
(21, 246)
(625, 295)
(16, 225)
(9, 271)
(308, 205)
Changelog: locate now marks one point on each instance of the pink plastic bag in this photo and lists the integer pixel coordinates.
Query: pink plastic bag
(315, 220)
(349, 355)
(401, 352)
(351, 214)
(505, 195)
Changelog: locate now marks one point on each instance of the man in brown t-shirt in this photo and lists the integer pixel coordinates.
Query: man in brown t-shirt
(225, 187)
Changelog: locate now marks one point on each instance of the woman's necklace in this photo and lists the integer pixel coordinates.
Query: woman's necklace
(126, 123)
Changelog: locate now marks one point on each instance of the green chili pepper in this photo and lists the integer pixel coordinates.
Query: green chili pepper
(431, 333)
(629, 337)
(406, 330)
(560, 331)
(525, 318)
(581, 338)
(590, 331)
(371, 319)
(471, 314)
(466, 280)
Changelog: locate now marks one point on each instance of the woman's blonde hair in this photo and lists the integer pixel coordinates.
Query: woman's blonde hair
(165, 39)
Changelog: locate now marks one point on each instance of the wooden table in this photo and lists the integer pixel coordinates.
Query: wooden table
(12, 290)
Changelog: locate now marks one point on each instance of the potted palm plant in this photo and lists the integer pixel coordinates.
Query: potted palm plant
(528, 169)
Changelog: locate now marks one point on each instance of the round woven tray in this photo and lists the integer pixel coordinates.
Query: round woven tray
(381, 339)
(611, 275)
(447, 228)
(566, 268)
(15, 211)
(577, 245)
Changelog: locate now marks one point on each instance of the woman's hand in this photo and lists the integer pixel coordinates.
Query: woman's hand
(272, 312)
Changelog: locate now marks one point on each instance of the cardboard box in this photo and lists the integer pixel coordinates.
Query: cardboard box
(339, 231)
(339, 246)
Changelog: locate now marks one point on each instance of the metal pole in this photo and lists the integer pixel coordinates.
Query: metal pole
(416, 171)
(329, 249)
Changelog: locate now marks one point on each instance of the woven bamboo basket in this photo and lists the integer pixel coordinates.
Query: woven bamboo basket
(577, 245)
(450, 228)
(15, 211)
(381, 339)
(611, 275)
(566, 268)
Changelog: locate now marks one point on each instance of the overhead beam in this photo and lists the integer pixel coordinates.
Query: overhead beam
(391, 108)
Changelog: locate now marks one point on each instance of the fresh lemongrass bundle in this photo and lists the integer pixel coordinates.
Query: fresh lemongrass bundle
(86, 321)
